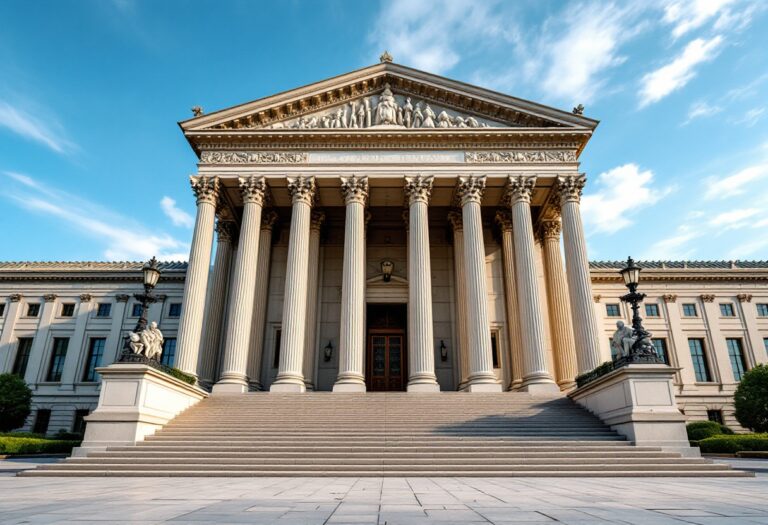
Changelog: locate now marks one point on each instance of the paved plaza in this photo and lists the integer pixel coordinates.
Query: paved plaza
(382, 501)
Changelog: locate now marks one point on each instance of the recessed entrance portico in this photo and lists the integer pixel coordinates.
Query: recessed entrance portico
(386, 353)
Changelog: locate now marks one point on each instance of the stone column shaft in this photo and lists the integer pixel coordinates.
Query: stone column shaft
(585, 328)
(234, 365)
(114, 343)
(313, 282)
(77, 344)
(215, 305)
(560, 322)
(461, 296)
(7, 357)
(536, 378)
(351, 376)
(481, 376)
(290, 377)
(421, 355)
(193, 304)
(510, 295)
(37, 370)
(260, 296)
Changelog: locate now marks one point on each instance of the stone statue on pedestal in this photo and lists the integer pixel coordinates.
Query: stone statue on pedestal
(622, 340)
(147, 342)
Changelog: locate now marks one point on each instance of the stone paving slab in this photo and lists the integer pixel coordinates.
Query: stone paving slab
(380, 501)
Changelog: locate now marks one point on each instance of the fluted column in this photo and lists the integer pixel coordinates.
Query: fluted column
(263, 263)
(215, 303)
(577, 266)
(561, 326)
(421, 355)
(536, 378)
(290, 376)
(193, 304)
(481, 377)
(234, 363)
(351, 377)
(504, 219)
(313, 281)
(461, 295)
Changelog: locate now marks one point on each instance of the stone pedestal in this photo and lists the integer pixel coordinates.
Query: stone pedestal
(136, 400)
(638, 401)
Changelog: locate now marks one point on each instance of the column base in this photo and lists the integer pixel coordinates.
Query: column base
(483, 387)
(540, 388)
(565, 385)
(423, 387)
(287, 386)
(230, 387)
(515, 386)
(349, 386)
(255, 386)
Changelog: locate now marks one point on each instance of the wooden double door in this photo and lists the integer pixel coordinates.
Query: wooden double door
(386, 356)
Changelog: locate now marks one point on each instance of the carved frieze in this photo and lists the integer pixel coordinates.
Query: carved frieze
(517, 157)
(252, 157)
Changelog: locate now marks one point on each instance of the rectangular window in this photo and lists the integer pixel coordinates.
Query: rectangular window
(736, 355)
(95, 355)
(689, 310)
(495, 349)
(276, 359)
(726, 310)
(78, 427)
(174, 310)
(765, 343)
(612, 310)
(762, 309)
(136, 310)
(652, 310)
(661, 349)
(2, 309)
(23, 350)
(58, 356)
(42, 419)
(103, 309)
(169, 351)
(715, 415)
(68, 309)
(699, 358)
(33, 309)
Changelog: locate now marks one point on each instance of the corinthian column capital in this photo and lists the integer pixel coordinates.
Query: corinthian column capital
(520, 188)
(302, 189)
(316, 220)
(418, 188)
(504, 220)
(225, 230)
(206, 189)
(570, 187)
(456, 220)
(268, 220)
(551, 229)
(470, 189)
(253, 189)
(354, 189)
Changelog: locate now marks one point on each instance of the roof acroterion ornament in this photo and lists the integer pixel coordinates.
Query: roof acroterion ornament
(578, 110)
(385, 57)
(197, 111)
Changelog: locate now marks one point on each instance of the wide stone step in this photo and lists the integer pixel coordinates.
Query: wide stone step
(608, 454)
(212, 449)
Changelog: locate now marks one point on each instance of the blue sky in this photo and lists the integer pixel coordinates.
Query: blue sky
(94, 167)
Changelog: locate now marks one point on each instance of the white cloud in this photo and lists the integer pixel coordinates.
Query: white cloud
(674, 247)
(734, 219)
(621, 192)
(122, 238)
(751, 117)
(178, 216)
(687, 15)
(735, 184)
(43, 130)
(701, 110)
(676, 74)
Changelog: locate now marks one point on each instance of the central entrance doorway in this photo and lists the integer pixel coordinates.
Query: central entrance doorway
(386, 359)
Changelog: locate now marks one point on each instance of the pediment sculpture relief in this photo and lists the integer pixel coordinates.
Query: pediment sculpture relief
(383, 111)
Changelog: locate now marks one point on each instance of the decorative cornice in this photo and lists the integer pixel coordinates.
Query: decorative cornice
(302, 189)
(268, 220)
(744, 297)
(49, 298)
(252, 157)
(253, 189)
(418, 188)
(86, 298)
(15, 297)
(354, 189)
(569, 187)
(519, 157)
(707, 297)
(456, 220)
(316, 220)
(470, 189)
(520, 189)
(122, 297)
(551, 230)
(206, 189)
(669, 298)
(504, 219)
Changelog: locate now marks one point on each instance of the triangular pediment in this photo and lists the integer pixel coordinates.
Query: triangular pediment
(387, 96)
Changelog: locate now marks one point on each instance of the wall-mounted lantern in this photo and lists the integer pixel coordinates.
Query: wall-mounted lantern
(328, 352)
(386, 269)
(443, 351)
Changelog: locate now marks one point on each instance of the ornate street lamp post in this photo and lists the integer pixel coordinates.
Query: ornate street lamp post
(151, 275)
(642, 349)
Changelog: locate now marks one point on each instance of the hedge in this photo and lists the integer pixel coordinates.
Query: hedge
(178, 374)
(734, 443)
(27, 445)
(699, 430)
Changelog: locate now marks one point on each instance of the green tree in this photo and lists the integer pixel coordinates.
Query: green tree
(751, 399)
(15, 402)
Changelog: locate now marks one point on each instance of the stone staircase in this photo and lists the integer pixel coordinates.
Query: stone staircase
(378, 434)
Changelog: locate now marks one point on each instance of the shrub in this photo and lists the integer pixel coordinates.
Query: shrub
(178, 374)
(699, 430)
(734, 443)
(599, 371)
(26, 445)
(15, 402)
(751, 399)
